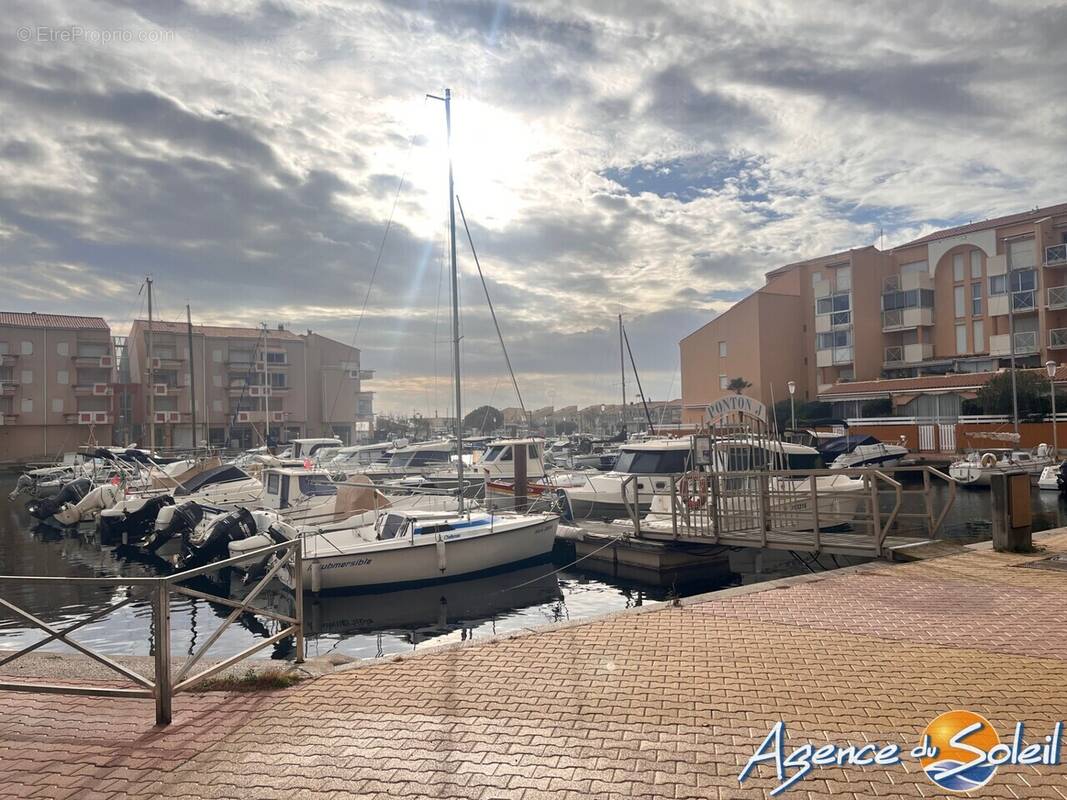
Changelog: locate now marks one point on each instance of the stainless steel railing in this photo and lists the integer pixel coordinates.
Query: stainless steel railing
(165, 683)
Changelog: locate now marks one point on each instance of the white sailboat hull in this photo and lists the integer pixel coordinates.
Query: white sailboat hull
(427, 558)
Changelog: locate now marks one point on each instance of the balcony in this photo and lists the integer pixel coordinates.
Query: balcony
(8, 359)
(1025, 343)
(830, 358)
(906, 354)
(900, 319)
(1057, 297)
(1056, 255)
(8, 388)
(237, 388)
(107, 361)
(1057, 338)
(1022, 302)
(907, 281)
(93, 390)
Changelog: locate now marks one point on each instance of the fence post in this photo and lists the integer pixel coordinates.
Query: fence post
(298, 585)
(164, 695)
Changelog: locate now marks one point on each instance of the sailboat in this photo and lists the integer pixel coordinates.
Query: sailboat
(410, 546)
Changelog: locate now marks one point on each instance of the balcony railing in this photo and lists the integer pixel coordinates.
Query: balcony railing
(1057, 337)
(1056, 255)
(1025, 300)
(892, 319)
(894, 355)
(1057, 297)
(891, 283)
(1026, 342)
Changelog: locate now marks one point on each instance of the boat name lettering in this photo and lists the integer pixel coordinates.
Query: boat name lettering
(356, 562)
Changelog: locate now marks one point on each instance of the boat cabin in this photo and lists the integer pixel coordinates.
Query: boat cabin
(308, 448)
(287, 486)
(654, 457)
(422, 455)
(401, 525)
(498, 460)
(358, 456)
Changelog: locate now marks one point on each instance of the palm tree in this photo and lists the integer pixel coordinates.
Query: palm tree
(738, 385)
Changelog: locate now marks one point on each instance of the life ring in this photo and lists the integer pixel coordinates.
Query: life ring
(989, 460)
(694, 500)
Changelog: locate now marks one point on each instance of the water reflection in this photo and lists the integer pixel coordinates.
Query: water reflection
(368, 625)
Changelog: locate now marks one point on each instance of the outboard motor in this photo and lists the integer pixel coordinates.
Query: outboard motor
(205, 545)
(133, 523)
(172, 521)
(71, 492)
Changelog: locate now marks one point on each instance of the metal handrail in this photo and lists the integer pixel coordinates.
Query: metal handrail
(165, 685)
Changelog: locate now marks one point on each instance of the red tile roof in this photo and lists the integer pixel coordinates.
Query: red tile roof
(31, 319)
(923, 383)
(997, 222)
(221, 331)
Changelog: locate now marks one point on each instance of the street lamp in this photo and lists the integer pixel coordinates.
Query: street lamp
(1050, 368)
(792, 402)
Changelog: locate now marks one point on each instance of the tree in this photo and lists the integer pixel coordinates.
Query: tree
(807, 412)
(738, 385)
(1031, 389)
(484, 419)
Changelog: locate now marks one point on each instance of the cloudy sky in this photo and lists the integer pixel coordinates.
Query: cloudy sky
(636, 156)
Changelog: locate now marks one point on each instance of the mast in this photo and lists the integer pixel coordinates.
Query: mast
(192, 369)
(622, 371)
(447, 99)
(151, 374)
(637, 377)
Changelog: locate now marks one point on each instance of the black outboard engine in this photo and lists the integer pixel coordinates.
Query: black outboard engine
(70, 493)
(1061, 478)
(133, 524)
(181, 521)
(203, 547)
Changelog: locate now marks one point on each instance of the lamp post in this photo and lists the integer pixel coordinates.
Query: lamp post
(1050, 368)
(792, 402)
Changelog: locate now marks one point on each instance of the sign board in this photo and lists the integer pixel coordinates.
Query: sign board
(736, 404)
(702, 450)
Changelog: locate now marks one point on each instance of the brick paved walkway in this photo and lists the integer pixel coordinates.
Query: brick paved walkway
(667, 703)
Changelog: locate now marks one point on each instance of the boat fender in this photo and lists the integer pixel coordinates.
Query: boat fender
(1042, 450)
(989, 460)
(442, 558)
(316, 577)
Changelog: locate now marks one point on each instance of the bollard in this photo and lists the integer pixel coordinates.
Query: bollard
(1011, 513)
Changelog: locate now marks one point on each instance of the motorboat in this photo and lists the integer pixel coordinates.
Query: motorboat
(496, 464)
(355, 459)
(977, 468)
(855, 451)
(599, 496)
(413, 460)
(1053, 478)
(222, 486)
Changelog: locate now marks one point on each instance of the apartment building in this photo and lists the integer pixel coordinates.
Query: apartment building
(960, 300)
(246, 382)
(56, 384)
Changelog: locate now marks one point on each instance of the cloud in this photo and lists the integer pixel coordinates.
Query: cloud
(649, 158)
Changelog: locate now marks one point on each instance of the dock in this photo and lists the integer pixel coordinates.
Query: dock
(668, 700)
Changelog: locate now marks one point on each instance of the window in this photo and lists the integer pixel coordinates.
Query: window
(27, 348)
(1021, 254)
(277, 380)
(276, 358)
(1023, 280)
(216, 356)
(217, 380)
(27, 376)
(978, 333)
(998, 284)
(815, 277)
(843, 278)
(957, 267)
(976, 263)
(838, 306)
(63, 348)
(63, 377)
(722, 349)
(828, 341)
(912, 298)
(4, 348)
(531, 452)
(961, 339)
(274, 482)
(914, 266)
(27, 405)
(958, 301)
(976, 299)
(216, 406)
(723, 382)
(57, 405)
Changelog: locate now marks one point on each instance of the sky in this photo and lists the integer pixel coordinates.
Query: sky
(280, 162)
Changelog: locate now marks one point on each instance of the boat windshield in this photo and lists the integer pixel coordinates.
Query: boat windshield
(317, 485)
(420, 458)
(652, 462)
(392, 526)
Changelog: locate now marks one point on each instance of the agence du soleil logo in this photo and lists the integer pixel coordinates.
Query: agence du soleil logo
(959, 752)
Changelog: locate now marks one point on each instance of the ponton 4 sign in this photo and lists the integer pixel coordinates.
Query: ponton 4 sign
(736, 404)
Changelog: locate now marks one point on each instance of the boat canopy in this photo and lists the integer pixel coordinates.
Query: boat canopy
(223, 474)
(846, 444)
